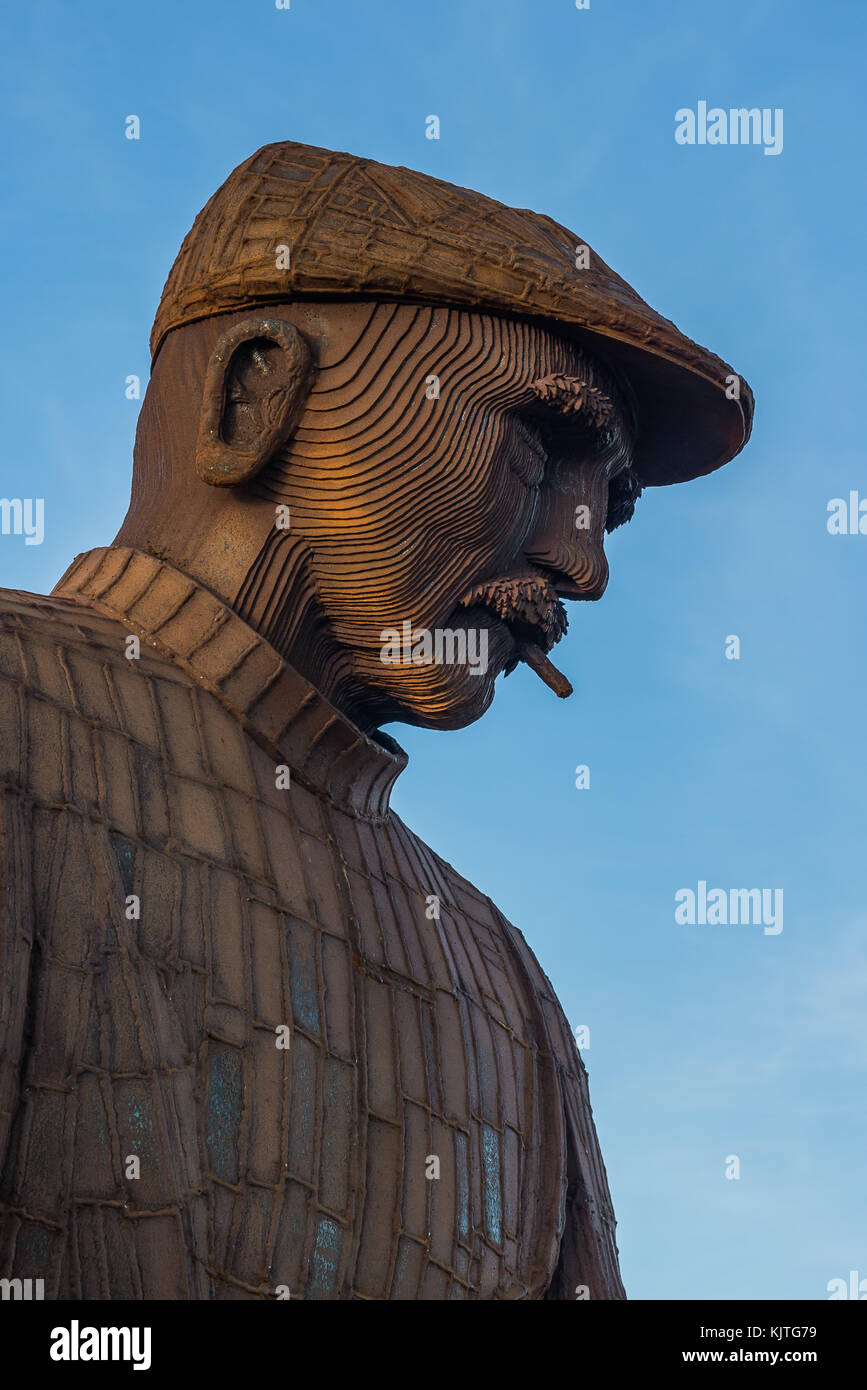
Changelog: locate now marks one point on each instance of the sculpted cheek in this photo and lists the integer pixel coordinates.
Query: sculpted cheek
(412, 476)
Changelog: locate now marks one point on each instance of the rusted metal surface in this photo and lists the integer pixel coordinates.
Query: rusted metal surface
(358, 228)
(410, 1036)
(258, 1039)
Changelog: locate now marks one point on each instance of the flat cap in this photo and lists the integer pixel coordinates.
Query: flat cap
(359, 229)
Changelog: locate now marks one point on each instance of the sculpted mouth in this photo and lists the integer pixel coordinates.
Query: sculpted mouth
(529, 607)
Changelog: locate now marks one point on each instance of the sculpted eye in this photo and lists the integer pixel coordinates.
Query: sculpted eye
(527, 454)
(624, 491)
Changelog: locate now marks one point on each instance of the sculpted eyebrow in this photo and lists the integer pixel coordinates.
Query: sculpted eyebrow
(570, 395)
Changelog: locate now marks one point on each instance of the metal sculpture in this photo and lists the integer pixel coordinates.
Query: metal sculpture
(258, 1039)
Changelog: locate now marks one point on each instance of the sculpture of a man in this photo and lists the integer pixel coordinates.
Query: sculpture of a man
(257, 1039)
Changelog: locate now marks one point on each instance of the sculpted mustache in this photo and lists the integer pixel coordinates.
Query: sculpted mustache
(526, 600)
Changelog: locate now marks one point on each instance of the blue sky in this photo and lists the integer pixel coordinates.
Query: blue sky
(705, 1041)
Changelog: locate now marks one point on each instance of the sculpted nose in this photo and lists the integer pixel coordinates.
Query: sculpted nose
(567, 540)
(574, 571)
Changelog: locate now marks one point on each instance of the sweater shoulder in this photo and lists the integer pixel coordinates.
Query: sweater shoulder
(28, 621)
(42, 636)
(64, 670)
(458, 893)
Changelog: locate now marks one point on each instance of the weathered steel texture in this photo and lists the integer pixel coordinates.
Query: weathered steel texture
(169, 902)
(358, 228)
(409, 1037)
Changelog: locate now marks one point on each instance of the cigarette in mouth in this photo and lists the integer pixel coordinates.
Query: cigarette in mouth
(545, 670)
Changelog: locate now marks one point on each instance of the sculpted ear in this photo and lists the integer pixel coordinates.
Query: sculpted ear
(257, 382)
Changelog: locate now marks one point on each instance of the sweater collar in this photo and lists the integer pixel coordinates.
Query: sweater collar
(281, 710)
